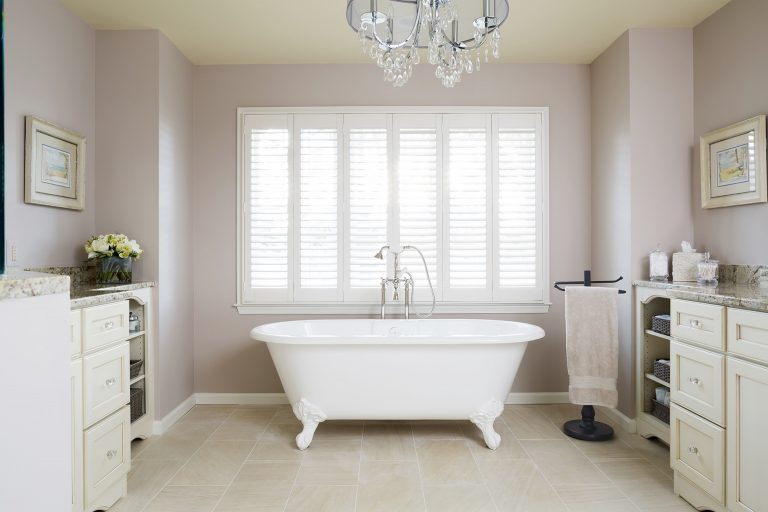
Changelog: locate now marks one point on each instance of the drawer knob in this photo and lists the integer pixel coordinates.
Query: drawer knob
(694, 380)
(111, 454)
(108, 325)
(110, 382)
(695, 324)
(693, 450)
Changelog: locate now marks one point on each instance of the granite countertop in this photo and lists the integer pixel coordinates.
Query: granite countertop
(20, 284)
(89, 294)
(738, 295)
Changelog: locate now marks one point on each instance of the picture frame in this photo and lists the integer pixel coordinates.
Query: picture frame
(54, 165)
(733, 164)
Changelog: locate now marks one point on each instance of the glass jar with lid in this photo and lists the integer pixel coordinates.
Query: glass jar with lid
(659, 263)
(707, 271)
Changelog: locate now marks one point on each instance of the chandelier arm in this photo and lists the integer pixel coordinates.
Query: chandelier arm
(458, 46)
(414, 31)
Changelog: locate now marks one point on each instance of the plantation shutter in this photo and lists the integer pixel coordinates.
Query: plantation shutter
(519, 214)
(417, 149)
(467, 223)
(317, 231)
(367, 142)
(267, 205)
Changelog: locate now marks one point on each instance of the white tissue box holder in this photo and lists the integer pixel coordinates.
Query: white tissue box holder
(685, 265)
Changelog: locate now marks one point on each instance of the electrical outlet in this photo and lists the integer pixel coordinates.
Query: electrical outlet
(12, 256)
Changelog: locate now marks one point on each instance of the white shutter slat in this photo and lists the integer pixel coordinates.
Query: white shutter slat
(269, 179)
(418, 199)
(368, 165)
(517, 215)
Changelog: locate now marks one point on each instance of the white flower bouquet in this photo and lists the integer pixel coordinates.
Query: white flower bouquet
(115, 254)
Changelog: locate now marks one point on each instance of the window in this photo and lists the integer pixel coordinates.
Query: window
(321, 190)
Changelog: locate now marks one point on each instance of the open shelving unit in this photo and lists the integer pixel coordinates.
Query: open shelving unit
(140, 341)
(651, 345)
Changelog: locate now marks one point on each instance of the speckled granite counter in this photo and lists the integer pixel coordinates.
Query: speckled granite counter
(85, 295)
(21, 284)
(747, 296)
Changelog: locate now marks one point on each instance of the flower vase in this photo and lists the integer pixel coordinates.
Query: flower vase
(114, 270)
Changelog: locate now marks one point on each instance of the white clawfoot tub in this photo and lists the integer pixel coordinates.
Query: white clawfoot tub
(397, 369)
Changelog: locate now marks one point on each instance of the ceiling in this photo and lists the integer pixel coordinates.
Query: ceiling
(316, 31)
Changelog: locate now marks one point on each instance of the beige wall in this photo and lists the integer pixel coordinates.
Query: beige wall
(642, 132)
(49, 73)
(226, 360)
(731, 73)
(144, 113)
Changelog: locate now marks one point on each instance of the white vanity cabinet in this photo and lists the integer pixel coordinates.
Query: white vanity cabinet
(110, 405)
(719, 390)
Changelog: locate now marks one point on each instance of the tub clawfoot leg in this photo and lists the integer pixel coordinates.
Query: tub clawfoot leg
(310, 416)
(484, 419)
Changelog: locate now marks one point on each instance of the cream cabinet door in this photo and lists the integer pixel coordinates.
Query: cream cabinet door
(747, 442)
(696, 381)
(703, 324)
(106, 382)
(76, 384)
(748, 334)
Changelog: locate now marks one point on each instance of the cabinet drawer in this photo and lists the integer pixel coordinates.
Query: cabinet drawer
(696, 381)
(748, 334)
(699, 323)
(106, 382)
(103, 325)
(76, 332)
(697, 451)
(107, 453)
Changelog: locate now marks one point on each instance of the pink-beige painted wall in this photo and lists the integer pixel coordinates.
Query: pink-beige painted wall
(642, 133)
(731, 73)
(226, 359)
(175, 352)
(50, 73)
(144, 113)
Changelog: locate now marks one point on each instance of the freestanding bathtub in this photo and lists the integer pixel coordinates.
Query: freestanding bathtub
(397, 369)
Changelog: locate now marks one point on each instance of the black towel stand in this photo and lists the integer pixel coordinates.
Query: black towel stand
(587, 429)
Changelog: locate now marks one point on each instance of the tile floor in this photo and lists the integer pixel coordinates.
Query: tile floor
(242, 459)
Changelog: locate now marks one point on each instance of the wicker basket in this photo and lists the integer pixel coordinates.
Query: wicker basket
(661, 369)
(137, 403)
(136, 367)
(659, 410)
(660, 324)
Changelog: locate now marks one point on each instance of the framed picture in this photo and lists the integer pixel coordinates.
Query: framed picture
(54, 166)
(733, 165)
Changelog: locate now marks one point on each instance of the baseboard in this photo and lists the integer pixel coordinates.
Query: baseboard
(558, 397)
(241, 398)
(161, 426)
(625, 422)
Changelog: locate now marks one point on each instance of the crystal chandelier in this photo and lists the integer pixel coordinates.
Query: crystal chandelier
(392, 34)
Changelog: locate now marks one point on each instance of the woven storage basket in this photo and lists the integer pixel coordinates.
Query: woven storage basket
(661, 370)
(137, 403)
(660, 410)
(660, 324)
(136, 368)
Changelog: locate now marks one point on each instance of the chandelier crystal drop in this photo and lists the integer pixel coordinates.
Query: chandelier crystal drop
(392, 35)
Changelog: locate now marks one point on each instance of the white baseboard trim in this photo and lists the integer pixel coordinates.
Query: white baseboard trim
(558, 397)
(625, 422)
(161, 426)
(241, 398)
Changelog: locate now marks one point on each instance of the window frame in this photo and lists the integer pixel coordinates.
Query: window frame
(537, 302)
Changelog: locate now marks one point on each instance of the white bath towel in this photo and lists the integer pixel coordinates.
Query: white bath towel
(592, 345)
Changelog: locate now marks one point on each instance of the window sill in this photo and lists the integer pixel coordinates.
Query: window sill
(332, 308)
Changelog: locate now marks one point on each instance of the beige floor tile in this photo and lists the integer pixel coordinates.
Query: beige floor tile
(386, 486)
(207, 414)
(338, 430)
(588, 493)
(623, 505)
(614, 448)
(560, 413)
(630, 472)
(654, 495)
(186, 499)
(510, 447)
(145, 480)
(437, 430)
(276, 450)
(532, 494)
(388, 441)
(563, 464)
(216, 463)
(180, 442)
(268, 473)
(337, 449)
(254, 498)
(458, 498)
(284, 415)
(684, 507)
(286, 432)
(447, 462)
(244, 424)
(322, 498)
(138, 445)
(501, 471)
(528, 422)
(328, 472)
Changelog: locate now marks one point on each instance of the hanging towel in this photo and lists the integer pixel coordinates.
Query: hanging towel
(592, 345)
